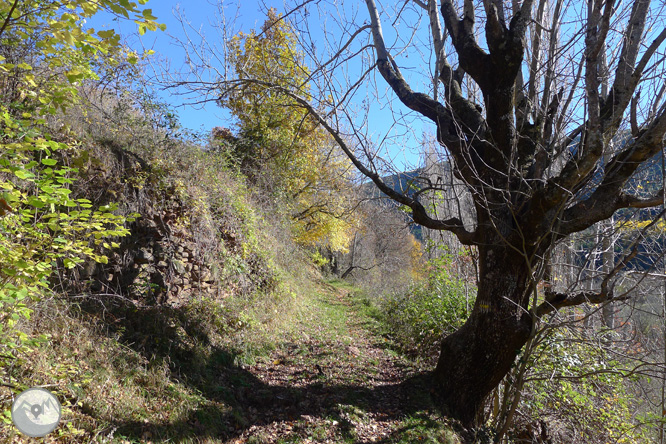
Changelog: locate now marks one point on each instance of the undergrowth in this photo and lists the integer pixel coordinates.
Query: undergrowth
(123, 367)
(418, 318)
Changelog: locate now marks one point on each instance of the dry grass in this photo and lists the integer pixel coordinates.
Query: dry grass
(101, 382)
(207, 381)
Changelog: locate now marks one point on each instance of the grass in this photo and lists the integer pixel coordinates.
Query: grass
(424, 429)
(188, 380)
(100, 381)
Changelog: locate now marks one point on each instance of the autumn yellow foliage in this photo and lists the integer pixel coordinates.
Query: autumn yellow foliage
(284, 140)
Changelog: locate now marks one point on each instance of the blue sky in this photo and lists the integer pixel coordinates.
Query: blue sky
(401, 143)
(249, 14)
(201, 14)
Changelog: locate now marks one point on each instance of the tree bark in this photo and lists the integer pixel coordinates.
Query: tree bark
(474, 359)
(351, 261)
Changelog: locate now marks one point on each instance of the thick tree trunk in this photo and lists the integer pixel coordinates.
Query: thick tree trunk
(475, 358)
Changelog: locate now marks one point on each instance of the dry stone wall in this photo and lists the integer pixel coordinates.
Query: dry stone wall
(166, 259)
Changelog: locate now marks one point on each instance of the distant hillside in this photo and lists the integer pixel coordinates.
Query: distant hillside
(646, 182)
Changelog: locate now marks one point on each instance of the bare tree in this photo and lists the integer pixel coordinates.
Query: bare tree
(526, 98)
(383, 254)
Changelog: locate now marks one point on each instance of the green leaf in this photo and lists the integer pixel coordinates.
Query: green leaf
(89, 8)
(119, 10)
(35, 202)
(68, 38)
(106, 34)
(148, 14)
(74, 75)
(49, 162)
(22, 294)
(22, 174)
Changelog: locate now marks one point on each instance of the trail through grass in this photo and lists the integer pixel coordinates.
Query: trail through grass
(337, 381)
(324, 374)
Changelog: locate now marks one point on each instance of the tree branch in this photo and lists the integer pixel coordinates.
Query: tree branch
(9, 17)
(555, 300)
(474, 60)
(600, 206)
(608, 196)
(419, 213)
(419, 102)
(627, 77)
(448, 126)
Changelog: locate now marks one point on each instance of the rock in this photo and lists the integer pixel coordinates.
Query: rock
(144, 256)
(88, 269)
(178, 266)
(204, 275)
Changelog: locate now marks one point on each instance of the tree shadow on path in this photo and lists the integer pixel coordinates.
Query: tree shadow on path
(238, 401)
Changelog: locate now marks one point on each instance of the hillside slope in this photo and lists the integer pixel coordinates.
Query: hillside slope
(207, 322)
(202, 262)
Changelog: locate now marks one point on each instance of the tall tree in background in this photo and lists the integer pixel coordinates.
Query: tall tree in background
(277, 134)
(544, 124)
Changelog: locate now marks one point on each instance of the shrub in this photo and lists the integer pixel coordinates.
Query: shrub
(578, 388)
(430, 309)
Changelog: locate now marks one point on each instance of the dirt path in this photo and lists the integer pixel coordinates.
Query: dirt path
(335, 382)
